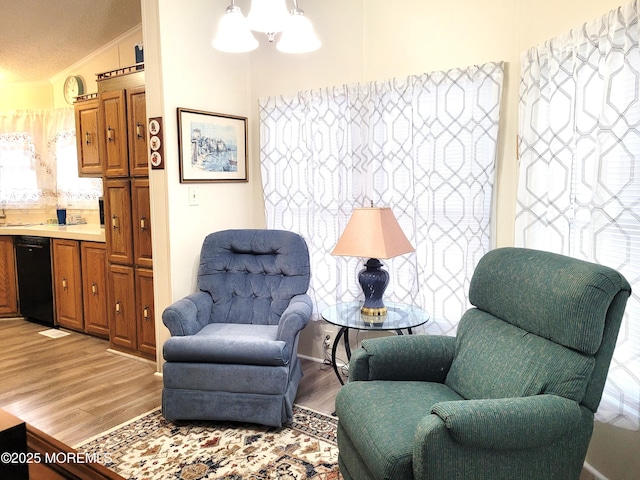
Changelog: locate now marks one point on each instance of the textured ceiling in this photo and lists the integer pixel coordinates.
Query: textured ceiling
(39, 38)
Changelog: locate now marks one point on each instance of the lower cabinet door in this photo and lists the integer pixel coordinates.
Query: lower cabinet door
(94, 285)
(67, 283)
(146, 317)
(122, 307)
(8, 289)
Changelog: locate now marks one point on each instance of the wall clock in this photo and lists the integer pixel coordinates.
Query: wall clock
(73, 86)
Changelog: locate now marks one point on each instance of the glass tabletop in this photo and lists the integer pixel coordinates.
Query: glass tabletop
(399, 316)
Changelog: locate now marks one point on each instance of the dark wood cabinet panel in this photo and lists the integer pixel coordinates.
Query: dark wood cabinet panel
(118, 227)
(122, 307)
(137, 127)
(94, 285)
(86, 113)
(8, 285)
(145, 313)
(67, 284)
(141, 211)
(113, 131)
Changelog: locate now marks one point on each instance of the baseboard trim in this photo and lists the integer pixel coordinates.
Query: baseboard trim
(131, 356)
(319, 360)
(313, 359)
(596, 474)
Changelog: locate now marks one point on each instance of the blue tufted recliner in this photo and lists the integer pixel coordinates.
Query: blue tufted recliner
(232, 354)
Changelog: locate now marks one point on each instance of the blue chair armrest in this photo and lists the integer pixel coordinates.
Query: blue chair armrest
(188, 315)
(295, 317)
(212, 349)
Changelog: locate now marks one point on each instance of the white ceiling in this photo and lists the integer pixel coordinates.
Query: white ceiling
(39, 38)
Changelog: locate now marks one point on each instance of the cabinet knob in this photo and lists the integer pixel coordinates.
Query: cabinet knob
(143, 223)
(110, 134)
(145, 312)
(64, 283)
(139, 130)
(87, 138)
(94, 288)
(118, 303)
(115, 222)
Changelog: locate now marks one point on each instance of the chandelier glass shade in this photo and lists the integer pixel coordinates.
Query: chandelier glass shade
(271, 17)
(268, 16)
(234, 35)
(299, 36)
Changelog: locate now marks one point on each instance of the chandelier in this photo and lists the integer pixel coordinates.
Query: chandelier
(270, 17)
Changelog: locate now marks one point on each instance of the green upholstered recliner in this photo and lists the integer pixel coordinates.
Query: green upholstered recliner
(512, 396)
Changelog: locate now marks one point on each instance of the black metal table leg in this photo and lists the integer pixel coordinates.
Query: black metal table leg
(344, 331)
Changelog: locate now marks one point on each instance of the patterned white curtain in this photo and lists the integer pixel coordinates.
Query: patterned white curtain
(579, 187)
(423, 145)
(38, 162)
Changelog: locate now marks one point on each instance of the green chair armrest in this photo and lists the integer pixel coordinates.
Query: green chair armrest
(403, 357)
(509, 423)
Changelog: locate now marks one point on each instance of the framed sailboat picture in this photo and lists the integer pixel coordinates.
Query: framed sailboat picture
(213, 147)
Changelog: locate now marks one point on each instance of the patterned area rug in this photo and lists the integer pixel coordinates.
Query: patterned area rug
(150, 448)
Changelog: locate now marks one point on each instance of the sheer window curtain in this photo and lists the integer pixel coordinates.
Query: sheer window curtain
(26, 172)
(579, 187)
(38, 162)
(423, 145)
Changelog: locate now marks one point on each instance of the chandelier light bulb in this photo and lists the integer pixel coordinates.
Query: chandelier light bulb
(271, 17)
(268, 16)
(234, 35)
(298, 36)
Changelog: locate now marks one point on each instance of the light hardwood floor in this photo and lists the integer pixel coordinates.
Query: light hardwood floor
(72, 388)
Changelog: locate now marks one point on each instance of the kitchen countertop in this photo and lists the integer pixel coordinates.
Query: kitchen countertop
(91, 232)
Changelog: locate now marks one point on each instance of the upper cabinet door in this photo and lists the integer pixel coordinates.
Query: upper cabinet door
(113, 129)
(86, 113)
(137, 116)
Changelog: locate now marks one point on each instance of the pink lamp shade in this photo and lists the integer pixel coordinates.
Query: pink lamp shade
(372, 232)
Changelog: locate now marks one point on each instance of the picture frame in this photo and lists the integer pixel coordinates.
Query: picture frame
(212, 146)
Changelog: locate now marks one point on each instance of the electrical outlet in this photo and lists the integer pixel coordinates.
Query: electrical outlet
(327, 338)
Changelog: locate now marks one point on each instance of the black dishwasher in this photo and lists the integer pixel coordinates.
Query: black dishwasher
(35, 287)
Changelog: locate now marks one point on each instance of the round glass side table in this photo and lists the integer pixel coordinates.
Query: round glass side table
(347, 316)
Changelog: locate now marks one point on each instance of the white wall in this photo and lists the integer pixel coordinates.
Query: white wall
(184, 71)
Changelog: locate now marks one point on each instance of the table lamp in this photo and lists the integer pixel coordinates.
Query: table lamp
(375, 233)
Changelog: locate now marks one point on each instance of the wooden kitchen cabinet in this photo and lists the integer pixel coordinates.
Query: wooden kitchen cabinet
(122, 307)
(8, 283)
(94, 286)
(67, 284)
(118, 226)
(141, 211)
(123, 116)
(86, 114)
(137, 131)
(127, 214)
(131, 311)
(113, 132)
(145, 312)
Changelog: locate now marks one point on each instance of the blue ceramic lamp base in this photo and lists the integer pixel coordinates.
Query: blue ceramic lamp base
(373, 280)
